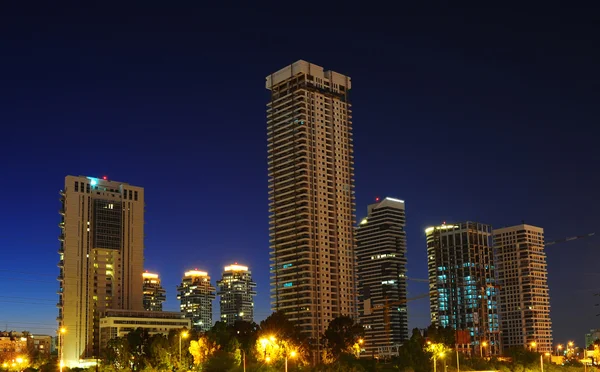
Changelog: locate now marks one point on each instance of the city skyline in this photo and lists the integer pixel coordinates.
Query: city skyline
(419, 106)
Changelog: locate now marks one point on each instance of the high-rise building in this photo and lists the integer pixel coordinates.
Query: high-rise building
(381, 269)
(154, 293)
(236, 291)
(101, 259)
(462, 283)
(311, 170)
(523, 277)
(196, 295)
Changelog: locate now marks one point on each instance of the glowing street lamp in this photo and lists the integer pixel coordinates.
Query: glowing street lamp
(481, 346)
(61, 341)
(292, 355)
(183, 334)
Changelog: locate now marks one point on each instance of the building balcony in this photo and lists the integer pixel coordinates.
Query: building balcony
(61, 237)
(61, 264)
(61, 211)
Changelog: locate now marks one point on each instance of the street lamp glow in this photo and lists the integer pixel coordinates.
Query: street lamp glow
(547, 354)
(19, 360)
(272, 338)
(184, 334)
(63, 330)
(264, 342)
(361, 341)
(533, 344)
(484, 343)
(293, 354)
(559, 347)
(268, 359)
(570, 344)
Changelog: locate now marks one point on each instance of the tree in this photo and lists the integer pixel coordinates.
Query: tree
(221, 361)
(342, 335)
(279, 326)
(202, 349)
(117, 353)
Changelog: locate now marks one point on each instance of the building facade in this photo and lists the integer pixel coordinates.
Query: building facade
(463, 293)
(591, 337)
(381, 269)
(196, 295)
(154, 293)
(118, 323)
(311, 193)
(101, 259)
(523, 276)
(236, 292)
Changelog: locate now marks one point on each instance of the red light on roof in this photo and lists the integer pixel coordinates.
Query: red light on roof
(377, 198)
(104, 178)
(196, 269)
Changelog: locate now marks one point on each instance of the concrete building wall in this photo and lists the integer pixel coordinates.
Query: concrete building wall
(119, 323)
(101, 258)
(311, 193)
(196, 295)
(523, 277)
(236, 294)
(381, 269)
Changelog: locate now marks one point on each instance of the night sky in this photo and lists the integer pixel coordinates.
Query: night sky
(467, 114)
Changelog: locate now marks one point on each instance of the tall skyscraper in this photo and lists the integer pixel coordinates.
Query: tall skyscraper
(462, 283)
(381, 268)
(101, 259)
(236, 291)
(524, 299)
(311, 170)
(196, 294)
(154, 293)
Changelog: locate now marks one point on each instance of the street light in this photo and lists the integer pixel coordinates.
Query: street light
(481, 346)
(441, 355)
(558, 349)
(292, 355)
(183, 334)
(533, 345)
(61, 341)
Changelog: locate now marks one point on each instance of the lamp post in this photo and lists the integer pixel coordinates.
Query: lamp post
(541, 363)
(558, 349)
(533, 345)
(243, 359)
(61, 340)
(292, 355)
(481, 346)
(183, 334)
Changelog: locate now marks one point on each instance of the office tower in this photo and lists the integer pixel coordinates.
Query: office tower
(236, 291)
(154, 293)
(101, 258)
(381, 269)
(311, 170)
(196, 295)
(462, 284)
(523, 277)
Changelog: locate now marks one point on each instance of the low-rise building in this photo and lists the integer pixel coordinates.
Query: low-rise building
(12, 345)
(118, 323)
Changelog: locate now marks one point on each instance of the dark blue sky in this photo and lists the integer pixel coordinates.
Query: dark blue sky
(467, 114)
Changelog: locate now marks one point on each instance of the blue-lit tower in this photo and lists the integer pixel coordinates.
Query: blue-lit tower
(462, 283)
